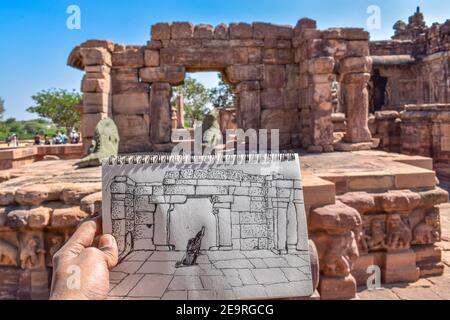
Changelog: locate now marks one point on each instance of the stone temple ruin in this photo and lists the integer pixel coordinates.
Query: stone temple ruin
(325, 90)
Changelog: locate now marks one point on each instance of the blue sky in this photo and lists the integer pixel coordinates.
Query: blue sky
(35, 41)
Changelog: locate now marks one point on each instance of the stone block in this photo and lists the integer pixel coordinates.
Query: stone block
(95, 85)
(95, 56)
(73, 193)
(334, 217)
(39, 217)
(274, 76)
(400, 267)
(238, 73)
(356, 65)
(267, 30)
(197, 58)
(92, 204)
(170, 74)
(272, 98)
(181, 30)
(359, 271)
(281, 119)
(131, 58)
(221, 32)
(278, 56)
(241, 31)
(18, 218)
(337, 288)
(203, 31)
(89, 123)
(160, 31)
(134, 103)
(403, 200)
(67, 217)
(151, 58)
(96, 102)
(321, 65)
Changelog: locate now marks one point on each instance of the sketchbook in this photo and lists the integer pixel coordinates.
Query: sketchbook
(207, 227)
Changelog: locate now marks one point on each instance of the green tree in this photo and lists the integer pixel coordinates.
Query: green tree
(195, 100)
(57, 105)
(2, 108)
(222, 96)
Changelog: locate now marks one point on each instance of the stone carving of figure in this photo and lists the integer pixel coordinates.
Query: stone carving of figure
(427, 232)
(8, 254)
(55, 242)
(376, 240)
(342, 252)
(31, 255)
(192, 250)
(398, 233)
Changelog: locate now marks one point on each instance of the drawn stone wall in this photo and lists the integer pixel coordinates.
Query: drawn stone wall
(252, 212)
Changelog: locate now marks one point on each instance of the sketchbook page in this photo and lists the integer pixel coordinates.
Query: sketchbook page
(202, 231)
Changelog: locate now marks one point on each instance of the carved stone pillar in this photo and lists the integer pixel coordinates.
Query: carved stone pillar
(161, 117)
(355, 75)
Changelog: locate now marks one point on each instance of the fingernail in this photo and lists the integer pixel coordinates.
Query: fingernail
(107, 242)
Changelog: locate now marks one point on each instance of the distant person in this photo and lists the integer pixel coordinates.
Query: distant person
(8, 140)
(47, 141)
(64, 139)
(74, 137)
(37, 139)
(57, 139)
(15, 141)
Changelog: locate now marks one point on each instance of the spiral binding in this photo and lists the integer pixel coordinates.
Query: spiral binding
(192, 159)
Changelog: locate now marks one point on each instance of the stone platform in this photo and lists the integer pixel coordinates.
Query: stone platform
(347, 196)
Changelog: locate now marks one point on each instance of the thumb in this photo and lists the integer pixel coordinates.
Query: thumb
(108, 245)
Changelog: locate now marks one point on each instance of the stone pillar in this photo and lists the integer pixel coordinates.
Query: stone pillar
(161, 118)
(180, 111)
(96, 87)
(355, 76)
(249, 105)
(320, 74)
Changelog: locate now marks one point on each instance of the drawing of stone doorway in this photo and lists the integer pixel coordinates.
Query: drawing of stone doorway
(187, 219)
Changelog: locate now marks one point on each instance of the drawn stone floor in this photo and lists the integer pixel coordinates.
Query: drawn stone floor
(224, 275)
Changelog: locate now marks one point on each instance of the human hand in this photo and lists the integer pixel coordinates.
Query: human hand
(81, 271)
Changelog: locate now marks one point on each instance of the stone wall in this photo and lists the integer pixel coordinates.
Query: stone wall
(282, 77)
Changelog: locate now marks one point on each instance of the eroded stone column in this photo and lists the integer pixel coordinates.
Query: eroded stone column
(249, 110)
(161, 118)
(180, 111)
(355, 75)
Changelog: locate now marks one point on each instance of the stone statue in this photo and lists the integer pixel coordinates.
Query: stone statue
(8, 254)
(212, 135)
(32, 254)
(105, 143)
(398, 233)
(192, 250)
(427, 232)
(55, 242)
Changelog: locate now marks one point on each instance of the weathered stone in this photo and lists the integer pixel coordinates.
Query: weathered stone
(73, 193)
(335, 217)
(268, 30)
(361, 201)
(160, 109)
(160, 31)
(36, 194)
(134, 103)
(67, 217)
(7, 196)
(95, 85)
(237, 73)
(39, 217)
(89, 123)
(274, 76)
(356, 65)
(92, 204)
(151, 58)
(203, 31)
(181, 30)
(322, 65)
(95, 56)
(18, 218)
(196, 58)
(395, 201)
(221, 32)
(170, 74)
(241, 31)
(131, 58)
